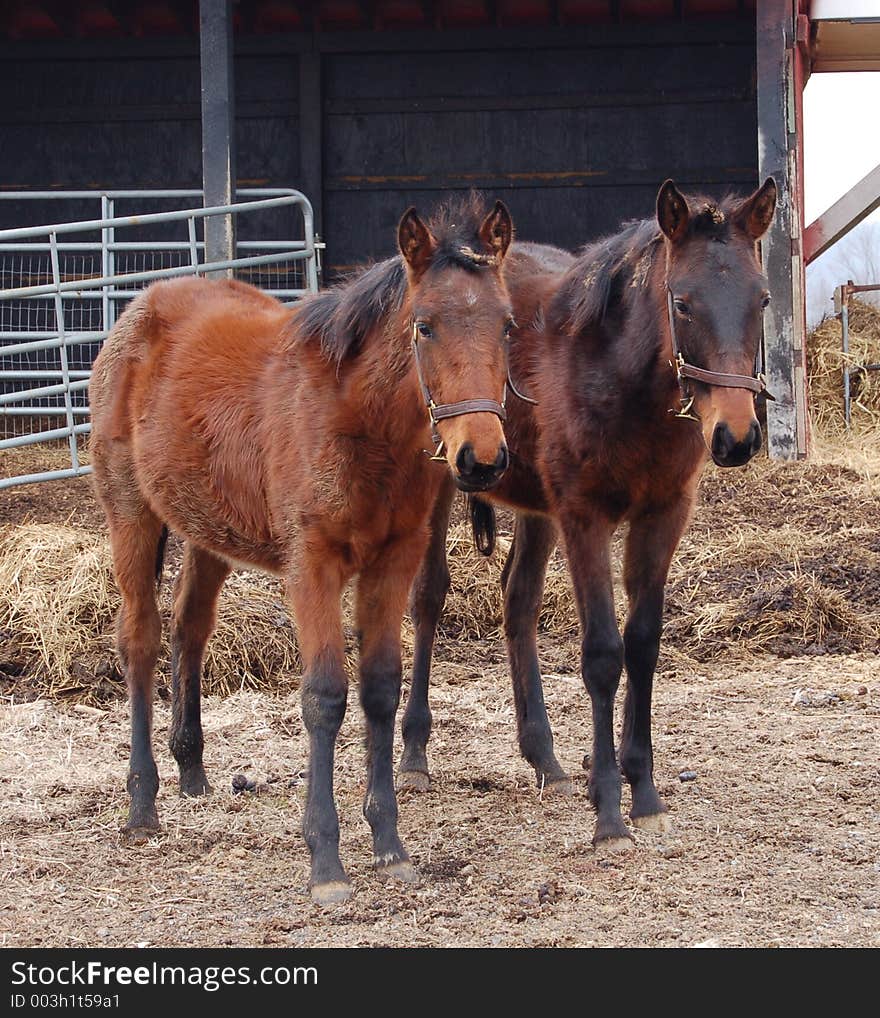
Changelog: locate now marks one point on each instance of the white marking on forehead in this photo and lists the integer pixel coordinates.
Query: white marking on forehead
(470, 298)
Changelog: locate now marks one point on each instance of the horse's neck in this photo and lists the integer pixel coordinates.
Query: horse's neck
(393, 405)
(654, 345)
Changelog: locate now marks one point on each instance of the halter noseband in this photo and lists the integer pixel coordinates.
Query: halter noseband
(684, 371)
(442, 411)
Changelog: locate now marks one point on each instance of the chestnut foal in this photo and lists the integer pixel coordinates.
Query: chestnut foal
(301, 442)
(640, 354)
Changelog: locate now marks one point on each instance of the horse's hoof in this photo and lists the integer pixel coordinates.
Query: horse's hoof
(415, 781)
(195, 787)
(402, 870)
(558, 787)
(335, 892)
(612, 846)
(138, 834)
(653, 823)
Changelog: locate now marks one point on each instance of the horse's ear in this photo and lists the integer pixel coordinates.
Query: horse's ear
(416, 242)
(672, 211)
(496, 233)
(755, 214)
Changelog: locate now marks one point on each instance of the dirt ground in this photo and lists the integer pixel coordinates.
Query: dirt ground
(768, 690)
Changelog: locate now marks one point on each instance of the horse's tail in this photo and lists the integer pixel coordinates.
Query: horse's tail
(482, 524)
(160, 555)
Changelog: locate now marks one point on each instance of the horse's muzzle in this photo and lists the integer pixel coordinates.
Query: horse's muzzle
(728, 451)
(474, 476)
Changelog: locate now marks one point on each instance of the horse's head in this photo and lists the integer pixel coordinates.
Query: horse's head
(716, 295)
(461, 322)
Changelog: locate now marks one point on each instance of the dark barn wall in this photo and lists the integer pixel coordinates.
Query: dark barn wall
(134, 122)
(573, 139)
(574, 128)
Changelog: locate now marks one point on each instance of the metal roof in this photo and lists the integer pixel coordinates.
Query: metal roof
(845, 35)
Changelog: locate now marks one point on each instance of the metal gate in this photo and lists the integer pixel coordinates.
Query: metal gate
(62, 287)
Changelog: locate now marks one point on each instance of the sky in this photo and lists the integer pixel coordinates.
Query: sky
(841, 136)
(841, 145)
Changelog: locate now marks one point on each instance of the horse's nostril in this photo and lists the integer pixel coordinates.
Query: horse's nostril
(466, 459)
(721, 441)
(501, 460)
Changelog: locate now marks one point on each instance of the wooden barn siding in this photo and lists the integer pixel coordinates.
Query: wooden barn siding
(126, 123)
(573, 140)
(575, 128)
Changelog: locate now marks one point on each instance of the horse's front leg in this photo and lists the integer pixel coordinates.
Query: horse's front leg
(315, 591)
(651, 542)
(381, 599)
(427, 598)
(588, 542)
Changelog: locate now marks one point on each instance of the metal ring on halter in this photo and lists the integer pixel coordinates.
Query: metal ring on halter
(684, 371)
(441, 411)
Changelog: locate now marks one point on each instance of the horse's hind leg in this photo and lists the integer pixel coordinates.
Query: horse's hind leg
(381, 599)
(135, 541)
(523, 583)
(650, 545)
(427, 598)
(195, 602)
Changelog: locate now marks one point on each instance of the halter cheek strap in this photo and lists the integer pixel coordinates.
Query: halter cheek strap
(684, 372)
(442, 411)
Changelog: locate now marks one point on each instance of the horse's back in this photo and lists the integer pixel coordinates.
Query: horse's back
(179, 409)
(543, 258)
(171, 314)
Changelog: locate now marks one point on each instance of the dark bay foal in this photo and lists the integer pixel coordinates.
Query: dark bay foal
(294, 441)
(640, 354)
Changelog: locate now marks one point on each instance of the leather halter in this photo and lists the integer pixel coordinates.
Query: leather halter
(442, 411)
(754, 383)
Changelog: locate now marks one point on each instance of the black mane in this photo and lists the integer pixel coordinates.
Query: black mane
(341, 318)
(606, 268)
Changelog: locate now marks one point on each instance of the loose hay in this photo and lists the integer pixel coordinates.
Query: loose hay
(781, 558)
(58, 604)
(785, 615)
(825, 364)
(57, 596)
(474, 605)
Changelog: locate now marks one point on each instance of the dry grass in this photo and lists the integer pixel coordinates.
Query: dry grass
(474, 605)
(785, 613)
(797, 572)
(58, 603)
(56, 595)
(825, 364)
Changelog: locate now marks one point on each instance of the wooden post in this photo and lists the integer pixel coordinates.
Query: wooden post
(310, 127)
(785, 361)
(218, 126)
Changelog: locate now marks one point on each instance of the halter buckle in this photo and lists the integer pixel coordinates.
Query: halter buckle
(686, 412)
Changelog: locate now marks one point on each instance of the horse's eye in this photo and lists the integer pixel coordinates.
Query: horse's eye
(424, 330)
(681, 307)
(509, 326)
(765, 300)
